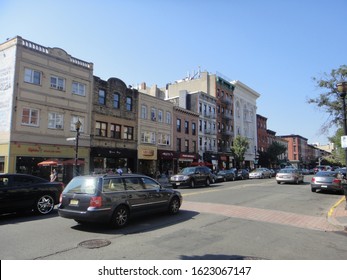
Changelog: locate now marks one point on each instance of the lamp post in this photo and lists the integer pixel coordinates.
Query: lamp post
(77, 127)
(342, 89)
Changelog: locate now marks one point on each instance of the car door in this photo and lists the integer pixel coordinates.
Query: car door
(157, 197)
(137, 195)
(16, 192)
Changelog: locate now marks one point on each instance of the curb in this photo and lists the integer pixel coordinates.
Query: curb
(337, 210)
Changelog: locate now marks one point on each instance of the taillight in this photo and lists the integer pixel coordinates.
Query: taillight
(95, 201)
(313, 180)
(337, 181)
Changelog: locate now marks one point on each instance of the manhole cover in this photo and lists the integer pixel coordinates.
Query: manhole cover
(94, 243)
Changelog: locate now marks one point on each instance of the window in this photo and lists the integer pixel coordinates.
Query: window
(153, 114)
(102, 97)
(186, 127)
(194, 128)
(160, 116)
(178, 125)
(57, 83)
(30, 117)
(128, 133)
(164, 139)
(55, 121)
(143, 112)
(178, 144)
(101, 129)
(74, 120)
(129, 104)
(32, 76)
(194, 146)
(115, 131)
(78, 88)
(148, 137)
(116, 100)
(168, 117)
(186, 146)
(200, 125)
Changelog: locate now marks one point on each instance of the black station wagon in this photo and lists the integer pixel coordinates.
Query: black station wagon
(113, 199)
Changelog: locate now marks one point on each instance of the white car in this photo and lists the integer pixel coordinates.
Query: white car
(260, 173)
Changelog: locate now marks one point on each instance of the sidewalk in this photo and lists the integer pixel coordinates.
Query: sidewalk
(338, 214)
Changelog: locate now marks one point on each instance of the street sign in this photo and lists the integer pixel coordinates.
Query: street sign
(344, 141)
(71, 139)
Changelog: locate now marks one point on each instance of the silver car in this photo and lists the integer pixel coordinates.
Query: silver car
(289, 175)
(260, 173)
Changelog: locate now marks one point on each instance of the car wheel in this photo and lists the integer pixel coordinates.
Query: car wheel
(278, 182)
(225, 179)
(313, 190)
(297, 181)
(120, 217)
(192, 183)
(45, 204)
(174, 206)
(208, 183)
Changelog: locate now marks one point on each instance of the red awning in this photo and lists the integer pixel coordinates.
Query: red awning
(72, 162)
(196, 163)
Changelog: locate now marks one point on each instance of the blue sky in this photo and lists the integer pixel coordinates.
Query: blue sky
(274, 47)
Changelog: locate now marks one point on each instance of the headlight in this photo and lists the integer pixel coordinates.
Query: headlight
(185, 177)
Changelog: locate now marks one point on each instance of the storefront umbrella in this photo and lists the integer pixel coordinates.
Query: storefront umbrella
(49, 162)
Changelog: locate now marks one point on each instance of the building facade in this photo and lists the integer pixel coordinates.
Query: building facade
(43, 93)
(114, 126)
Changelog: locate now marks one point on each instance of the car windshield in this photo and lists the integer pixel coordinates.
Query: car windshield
(287, 171)
(187, 170)
(326, 174)
(82, 185)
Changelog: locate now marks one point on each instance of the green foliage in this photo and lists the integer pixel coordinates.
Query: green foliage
(338, 154)
(329, 100)
(239, 148)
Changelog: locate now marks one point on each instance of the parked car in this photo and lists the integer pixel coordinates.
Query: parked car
(113, 199)
(242, 174)
(20, 192)
(289, 175)
(260, 173)
(327, 180)
(192, 176)
(226, 175)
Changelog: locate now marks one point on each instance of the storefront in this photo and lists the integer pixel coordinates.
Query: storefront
(147, 160)
(185, 160)
(105, 160)
(166, 161)
(26, 158)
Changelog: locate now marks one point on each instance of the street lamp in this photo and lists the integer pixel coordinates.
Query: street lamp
(77, 127)
(342, 89)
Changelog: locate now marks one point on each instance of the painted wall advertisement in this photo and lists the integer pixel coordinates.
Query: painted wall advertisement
(7, 66)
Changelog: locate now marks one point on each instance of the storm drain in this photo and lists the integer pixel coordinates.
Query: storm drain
(94, 243)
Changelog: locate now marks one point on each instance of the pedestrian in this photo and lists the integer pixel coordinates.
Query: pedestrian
(119, 171)
(53, 175)
(129, 170)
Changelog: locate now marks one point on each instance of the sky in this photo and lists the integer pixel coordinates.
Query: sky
(274, 47)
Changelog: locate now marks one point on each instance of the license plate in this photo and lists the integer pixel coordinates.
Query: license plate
(323, 186)
(178, 184)
(73, 202)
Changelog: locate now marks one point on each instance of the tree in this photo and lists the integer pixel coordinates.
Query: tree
(338, 154)
(239, 148)
(274, 150)
(330, 100)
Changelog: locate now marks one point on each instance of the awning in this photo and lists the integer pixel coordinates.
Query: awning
(72, 162)
(49, 162)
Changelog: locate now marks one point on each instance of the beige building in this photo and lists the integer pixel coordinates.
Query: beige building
(155, 135)
(43, 92)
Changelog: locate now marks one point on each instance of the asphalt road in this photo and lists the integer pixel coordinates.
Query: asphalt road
(251, 219)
